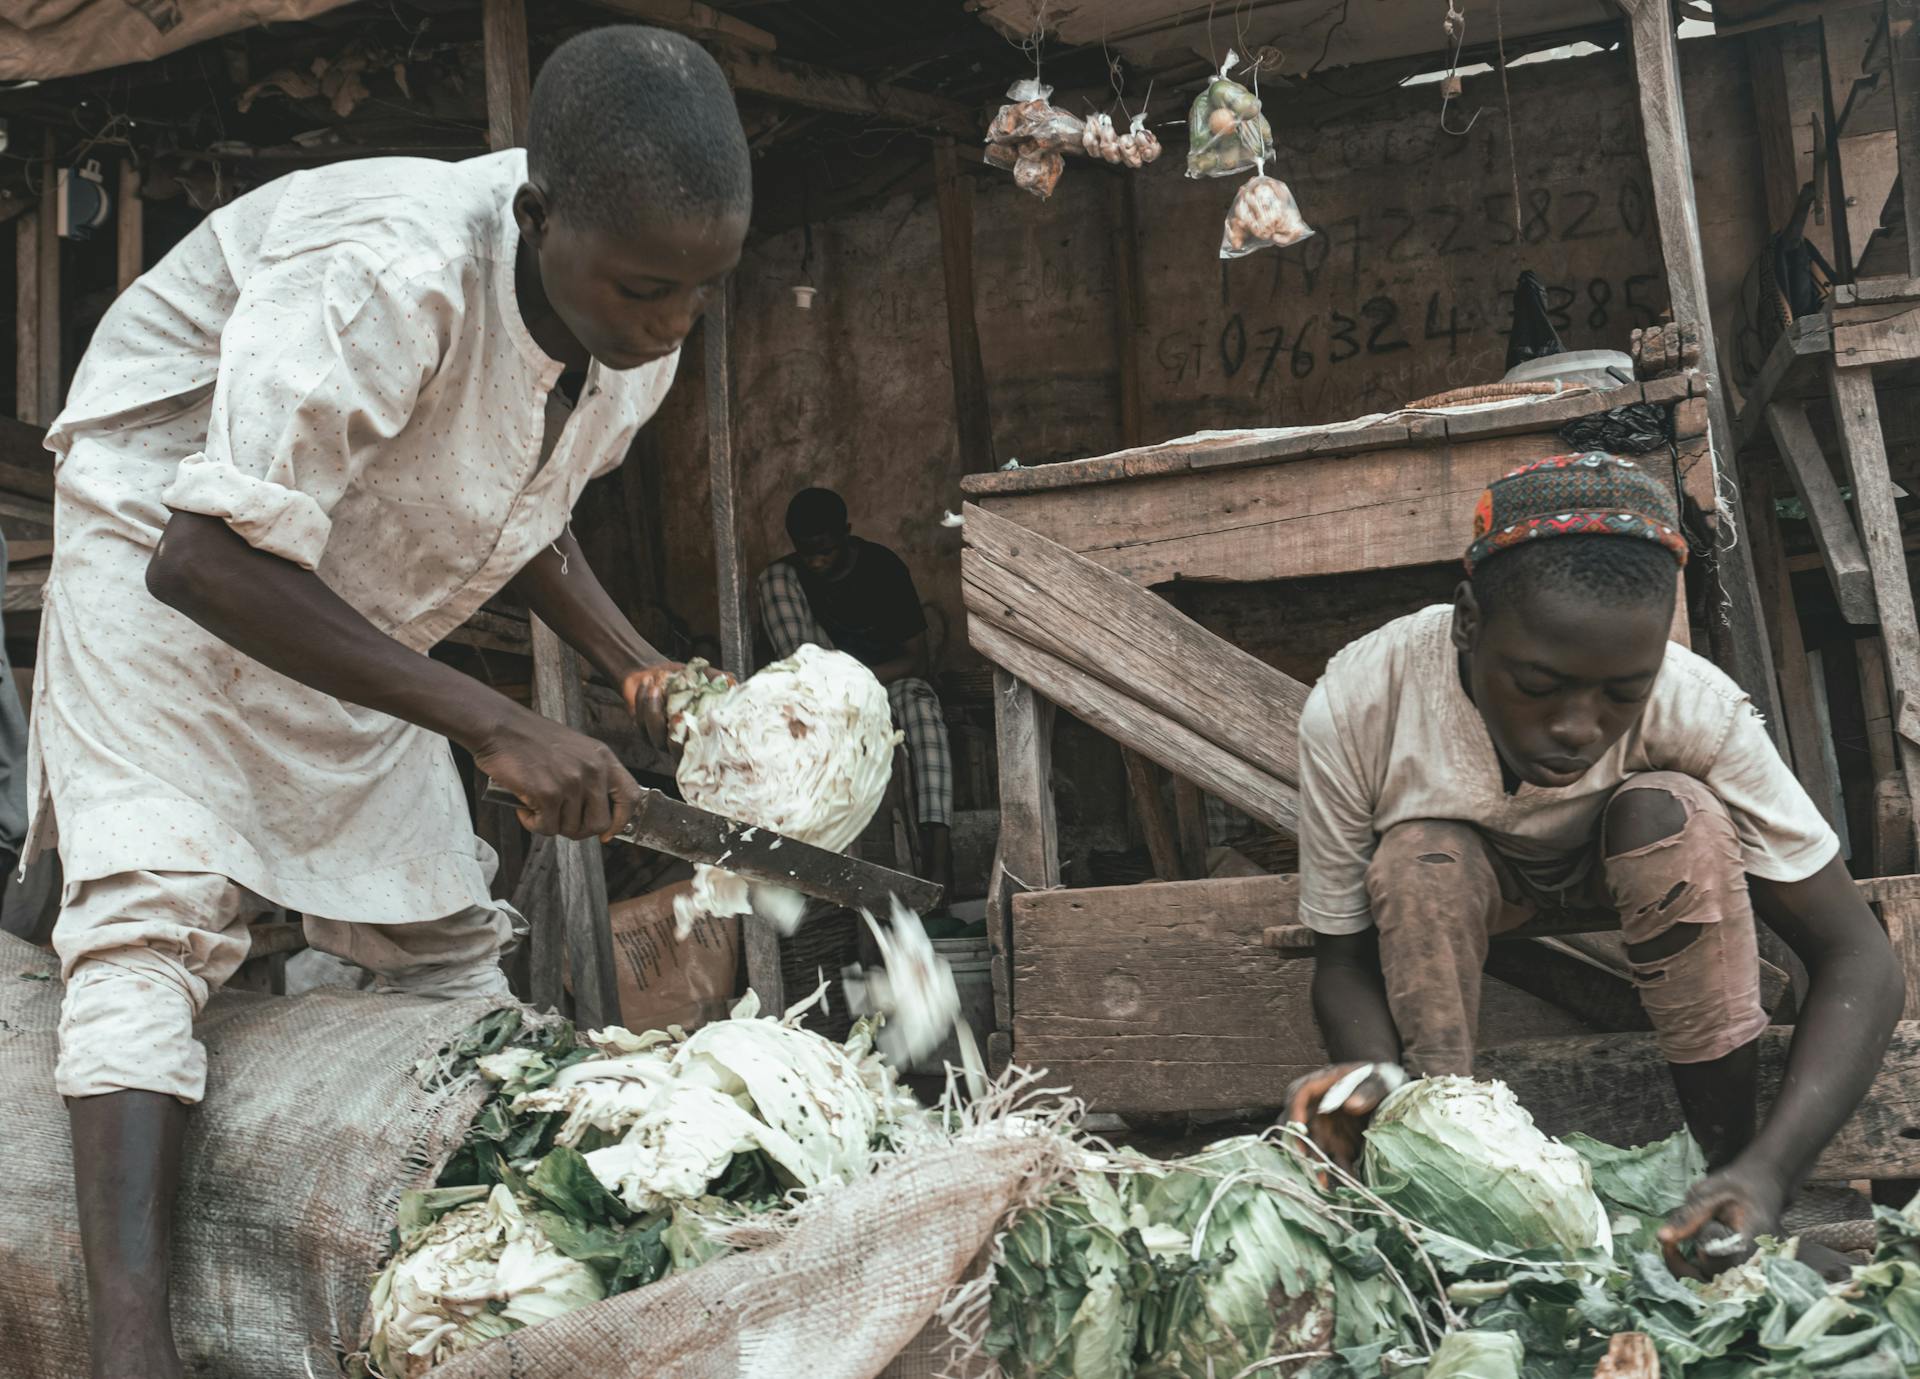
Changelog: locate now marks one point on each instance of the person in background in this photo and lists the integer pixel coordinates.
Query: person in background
(842, 593)
(1539, 745)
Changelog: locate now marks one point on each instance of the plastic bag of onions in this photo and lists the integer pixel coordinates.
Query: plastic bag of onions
(804, 748)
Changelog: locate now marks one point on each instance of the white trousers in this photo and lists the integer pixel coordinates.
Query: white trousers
(141, 952)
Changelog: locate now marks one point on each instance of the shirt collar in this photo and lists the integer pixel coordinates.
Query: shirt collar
(506, 242)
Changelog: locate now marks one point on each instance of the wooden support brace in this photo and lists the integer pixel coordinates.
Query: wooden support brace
(1028, 858)
(817, 88)
(503, 27)
(1903, 33)
(1163, 844)
(1857, 414)
(582, 877)
(1833, 529)
(972, 415)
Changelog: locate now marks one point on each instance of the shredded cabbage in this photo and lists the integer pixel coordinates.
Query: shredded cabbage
(804, 747)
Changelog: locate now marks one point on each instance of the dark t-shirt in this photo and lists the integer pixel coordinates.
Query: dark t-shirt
(873, 610)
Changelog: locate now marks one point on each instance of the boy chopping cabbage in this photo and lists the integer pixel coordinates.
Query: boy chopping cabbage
(347, 410)
(1540, 745)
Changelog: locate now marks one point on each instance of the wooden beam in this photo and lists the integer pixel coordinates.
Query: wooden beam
(1028, 857)
(1903, 60)
(1616, 1087)
(557, 694)
(972, 415)
(761, 940)
(1190, 822)
(48, 352)
(1833, 529)
(1179, 749)
(538, 898)
(1663, 121)
(1856, 412)
(1129, 308)
(1163, 845)
(503, 28)
(1870, 656)
(817, 88)
(692, 17)
(130, 223)
(1789, 363)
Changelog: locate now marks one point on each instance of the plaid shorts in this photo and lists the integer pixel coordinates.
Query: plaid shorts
(787, 619)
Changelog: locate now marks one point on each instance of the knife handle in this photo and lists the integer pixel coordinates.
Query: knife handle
(499, 794)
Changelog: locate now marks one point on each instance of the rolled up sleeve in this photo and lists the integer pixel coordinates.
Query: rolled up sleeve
(321, 363)
(1336, 825)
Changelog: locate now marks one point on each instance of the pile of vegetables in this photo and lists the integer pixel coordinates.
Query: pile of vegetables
(600, 1165)
(1469, 1247)
(804, 747)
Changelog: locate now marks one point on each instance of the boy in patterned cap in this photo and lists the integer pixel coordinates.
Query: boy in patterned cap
(343, 413)
(1539, 745)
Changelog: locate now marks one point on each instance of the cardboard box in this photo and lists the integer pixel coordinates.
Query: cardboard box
(665, 980)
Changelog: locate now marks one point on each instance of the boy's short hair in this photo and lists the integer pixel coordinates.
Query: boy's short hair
(816, 512)
(1612, 569)
(630, 120)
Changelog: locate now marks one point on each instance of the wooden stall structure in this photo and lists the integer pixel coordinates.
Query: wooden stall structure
(1168, 997)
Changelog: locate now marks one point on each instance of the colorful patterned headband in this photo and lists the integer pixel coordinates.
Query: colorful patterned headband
(1595, 494)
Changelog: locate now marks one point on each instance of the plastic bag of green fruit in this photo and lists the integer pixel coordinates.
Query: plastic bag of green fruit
(1227, 133)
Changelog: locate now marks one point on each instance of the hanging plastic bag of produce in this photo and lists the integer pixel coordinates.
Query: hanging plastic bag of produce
(1135, 148)
(1038, 170)
(1030, 118)
(1264, 216)
(1228, 134)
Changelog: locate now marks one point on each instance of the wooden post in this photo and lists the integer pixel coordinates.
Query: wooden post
(762, 942)
(1029, 852)
(1143, 783)
(1833, 529)
(582, 870)
(1797, 691)
(1903, 60)
(1842, 257)
(130, 224)
(503, 28)
(1856, 412)
(1190, 817)
(1877, 707)
(26, 318)
(1129, 304)
(972, 415)
(1773, 115)
(1663, 119)
(48, 352)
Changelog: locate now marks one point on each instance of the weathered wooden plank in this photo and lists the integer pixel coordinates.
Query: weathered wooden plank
(1869, 291)
(1161, 997)
(1774, 123)
(1902, 918)
(503, 32)
(1137, 642)
(582, 889)
(1616, 1086)
(1190, 825)
(1833, 529)
(1164, 740)
(1903, 61)
(1789, 363)
(954, 196)
(1876, 703)
(25, 589)
(1384, 509)
(817, 88)
(1889, 335)
(130, 225)
(1156, 825)
(736, 626)
(47, 352)
(1028, 855)
(1232, 449)
(1857, 415)
(538, 898)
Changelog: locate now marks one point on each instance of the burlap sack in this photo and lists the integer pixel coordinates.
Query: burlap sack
(314, 1124)
(856, 1280)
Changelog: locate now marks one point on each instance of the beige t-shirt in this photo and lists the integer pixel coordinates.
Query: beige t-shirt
(1389, 735)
